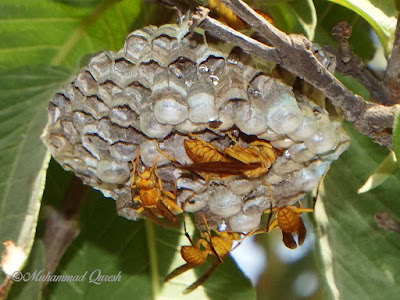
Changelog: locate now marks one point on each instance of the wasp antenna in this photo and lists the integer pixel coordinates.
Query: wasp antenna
(234, 140)
(175, 188)
(271, 195)
(135, 163)
(133, 174)
(164, 153)
(135, 166)
(154, 166)
(137, 156)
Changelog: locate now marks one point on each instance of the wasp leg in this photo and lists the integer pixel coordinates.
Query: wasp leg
(186, 233)
(210, 238)
(268, 210)
(141, 208)
(303, 210)
(172, 205)
(178, 271)
(300, 209)
(202, 279)
(272, 225)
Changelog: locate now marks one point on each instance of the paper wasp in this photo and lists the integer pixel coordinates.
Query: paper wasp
(218, 245)
(147, 190)
(288, 219)
(210, 162)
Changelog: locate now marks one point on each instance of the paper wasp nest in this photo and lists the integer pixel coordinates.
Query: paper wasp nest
(165, 83)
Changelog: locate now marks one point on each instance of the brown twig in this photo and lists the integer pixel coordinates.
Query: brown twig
(295, 55)
(62, 225)
(392, 76)
(349, 64)
(226, 33)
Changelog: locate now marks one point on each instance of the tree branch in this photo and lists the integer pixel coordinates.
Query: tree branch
(392, 77)
(62, 224)
(295, 54)
(350, 64)
(226, 33)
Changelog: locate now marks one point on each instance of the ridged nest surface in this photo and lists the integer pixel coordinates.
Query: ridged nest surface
(168, 82)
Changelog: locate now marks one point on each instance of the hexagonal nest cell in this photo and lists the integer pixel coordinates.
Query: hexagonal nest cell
(163, 85)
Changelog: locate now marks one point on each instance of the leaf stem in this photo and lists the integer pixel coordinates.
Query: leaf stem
(150, 237)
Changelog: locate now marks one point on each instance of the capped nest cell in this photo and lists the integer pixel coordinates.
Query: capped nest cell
(166, 83)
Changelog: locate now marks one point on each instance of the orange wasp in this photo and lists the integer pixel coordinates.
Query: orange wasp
(259, 151)
(227, 16)
(153, 199)
(195, 255)
(288, 219)
(253, 161)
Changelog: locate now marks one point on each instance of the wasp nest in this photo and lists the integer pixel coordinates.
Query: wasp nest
(166, 83)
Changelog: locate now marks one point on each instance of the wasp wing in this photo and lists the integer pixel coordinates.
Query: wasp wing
(220, 168)
(167, 214)
(288, 240)
(202, 279)
(302, 232)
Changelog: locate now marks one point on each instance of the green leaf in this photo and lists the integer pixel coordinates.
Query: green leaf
(31, 289)
(354, 251)
(386, 169)
(353, 85)
(396, 137)
(50, 32)
(143, 253)
(83, 3)
(41, 42)
(23, 100)
(381, 15)
(294, 16)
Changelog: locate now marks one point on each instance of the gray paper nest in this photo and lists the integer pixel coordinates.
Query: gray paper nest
(167, 82)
